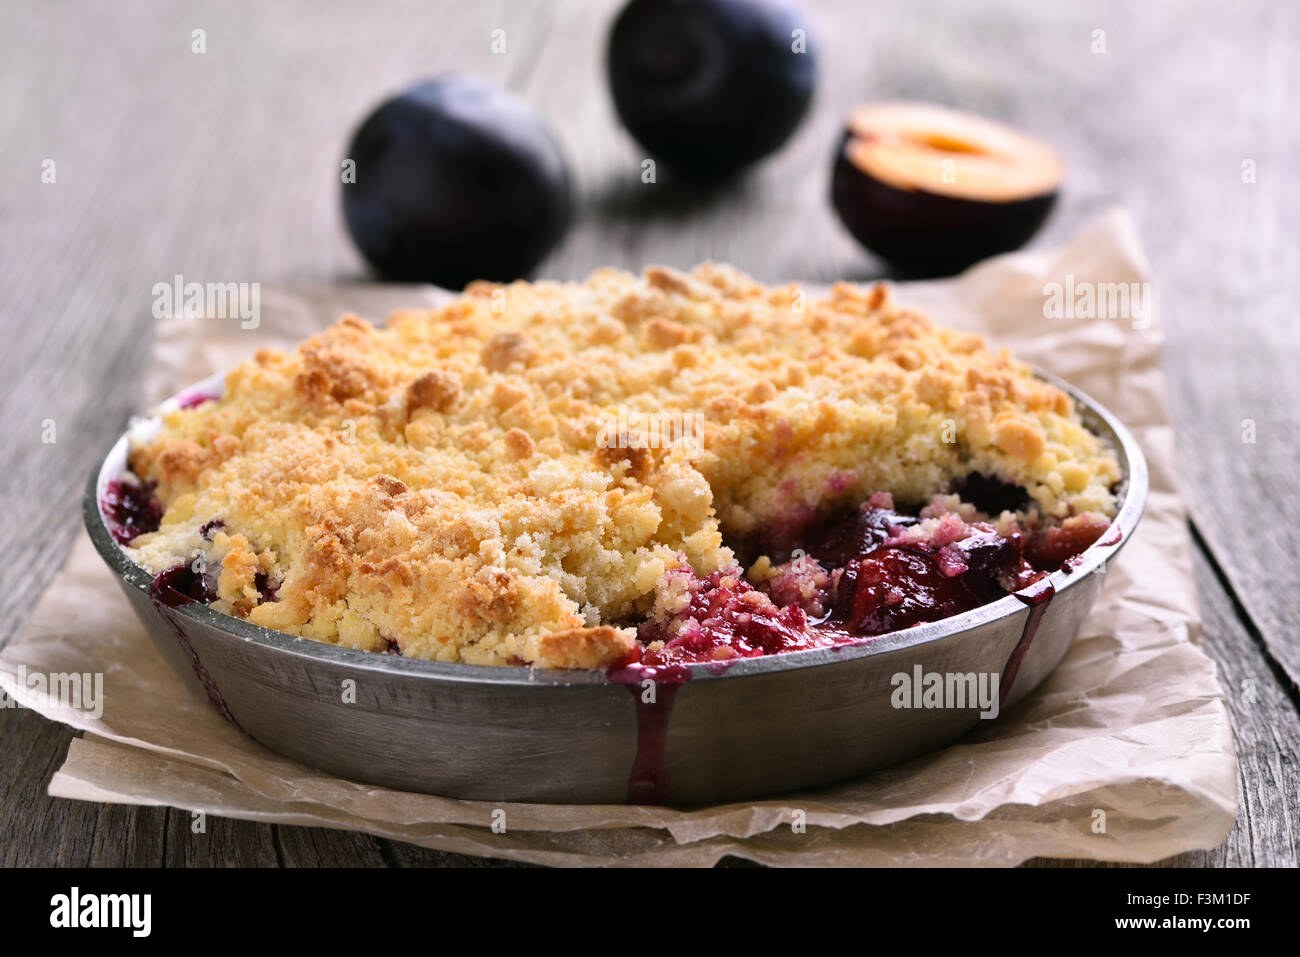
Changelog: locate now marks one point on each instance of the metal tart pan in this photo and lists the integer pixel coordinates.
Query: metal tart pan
(761, 726)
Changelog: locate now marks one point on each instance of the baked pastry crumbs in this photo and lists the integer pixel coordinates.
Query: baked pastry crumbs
(578, 475)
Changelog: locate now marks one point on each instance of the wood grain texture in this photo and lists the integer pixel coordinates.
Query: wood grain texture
(223, 166)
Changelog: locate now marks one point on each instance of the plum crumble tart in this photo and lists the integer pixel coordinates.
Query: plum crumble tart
(670, 468)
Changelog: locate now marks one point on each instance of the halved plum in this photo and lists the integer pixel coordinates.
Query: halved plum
(933, 190)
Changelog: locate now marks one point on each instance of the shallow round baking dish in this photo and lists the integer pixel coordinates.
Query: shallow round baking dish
(761, 726)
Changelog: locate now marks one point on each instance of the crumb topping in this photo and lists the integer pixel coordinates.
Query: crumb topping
(511, 478)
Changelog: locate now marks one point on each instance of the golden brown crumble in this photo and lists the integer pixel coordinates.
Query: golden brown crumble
(449, 484)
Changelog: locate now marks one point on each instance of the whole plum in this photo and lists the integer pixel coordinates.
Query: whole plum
(456, 180)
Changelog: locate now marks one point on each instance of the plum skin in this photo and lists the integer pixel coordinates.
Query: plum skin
(927, 234)
(456, 180)
(710, 86)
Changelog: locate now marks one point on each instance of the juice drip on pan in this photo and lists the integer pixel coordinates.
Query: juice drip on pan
(1113, 537)
(648, 782)
(1109, 540)
(165, 597)
(1037, 596)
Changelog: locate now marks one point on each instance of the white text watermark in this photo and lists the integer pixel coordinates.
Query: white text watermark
(632, 429)
(209, 300)
(951, 690)
(1084, 299)
(80, 691)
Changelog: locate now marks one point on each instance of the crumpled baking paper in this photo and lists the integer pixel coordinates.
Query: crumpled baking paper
(1125, 753)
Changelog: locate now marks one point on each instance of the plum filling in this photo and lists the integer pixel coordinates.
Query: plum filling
(1053, 547)
(811, 584)
(855, 578)
(181, 585)
(192, 399)
(131, 508)
(990, 494)
(726, 618)
(266, 587)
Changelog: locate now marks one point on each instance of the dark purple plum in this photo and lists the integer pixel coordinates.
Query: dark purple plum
(456, 180)
(710, 86)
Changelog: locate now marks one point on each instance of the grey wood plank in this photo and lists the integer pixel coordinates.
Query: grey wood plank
(36, 829)
(222, 842)
(1263, 708)
(1263, 712)
(318, 847)
(411, 855)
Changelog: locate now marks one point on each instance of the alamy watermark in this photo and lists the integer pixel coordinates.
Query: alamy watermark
(947, 690)
(80, 691)
(209, 300)
(632, 429)
(75, 910)
(1084, 299)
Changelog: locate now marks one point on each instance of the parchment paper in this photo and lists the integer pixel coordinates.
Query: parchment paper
(1125, 753)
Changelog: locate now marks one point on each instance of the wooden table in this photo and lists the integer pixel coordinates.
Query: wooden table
(224, 166)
